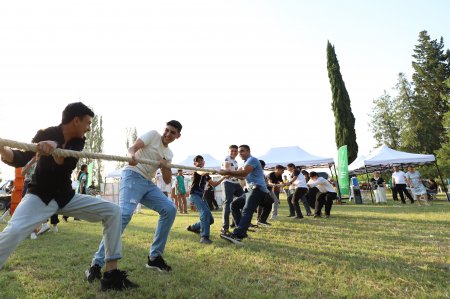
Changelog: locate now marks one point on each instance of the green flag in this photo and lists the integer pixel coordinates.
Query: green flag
(90, 173)
(343, 170)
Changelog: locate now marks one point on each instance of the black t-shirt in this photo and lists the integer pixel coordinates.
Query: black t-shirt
(274, 179)
(377, 182)
(198, 183)
(50, 180)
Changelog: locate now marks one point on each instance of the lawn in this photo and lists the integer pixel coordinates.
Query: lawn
(362, 251)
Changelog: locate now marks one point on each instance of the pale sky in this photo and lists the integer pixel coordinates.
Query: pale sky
(232, 72)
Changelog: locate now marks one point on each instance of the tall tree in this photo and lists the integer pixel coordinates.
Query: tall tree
(94, 143)
(385, 123)
(131, 137)
(344, 119)
(431, 69)
(443, 154)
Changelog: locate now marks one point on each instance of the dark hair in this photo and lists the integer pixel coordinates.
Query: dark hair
(305, 172)
(197, 158)
(280, 167)
(73, 110)
(291, 165)
(233, 146)
(313, 174)
(82, 169)
(176, 124)
(263, 164)
(245, 146)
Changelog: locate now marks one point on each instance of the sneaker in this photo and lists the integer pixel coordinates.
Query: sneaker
(116, 280)
(158, 264)
(290, 215)
(44, 228)
(274, 217)
(205, 240)
(94, 272)
(33, 236)
(224, 231)
(317, 216)
(298, 217)
(232, 238)
(327, 216)
(55, 229)
(190, 229)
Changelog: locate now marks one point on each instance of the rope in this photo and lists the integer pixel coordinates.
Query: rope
(75, 154)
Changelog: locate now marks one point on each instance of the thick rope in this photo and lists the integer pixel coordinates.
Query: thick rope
(75, 154)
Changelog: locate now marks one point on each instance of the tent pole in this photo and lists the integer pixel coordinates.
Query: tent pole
(337, 181)
(443, 184)
(368, 183)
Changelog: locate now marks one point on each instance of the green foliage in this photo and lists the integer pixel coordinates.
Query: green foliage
(344, 120)
(131, 136)
(385, 122)
(94, 143)
(362, 251)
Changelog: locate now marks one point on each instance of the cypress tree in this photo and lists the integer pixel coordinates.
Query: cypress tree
(344, 119)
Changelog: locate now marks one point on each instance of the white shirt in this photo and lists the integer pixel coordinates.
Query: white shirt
(230, 164)
(399, 177)
(153, 149)
(322, 184)
(300, 182)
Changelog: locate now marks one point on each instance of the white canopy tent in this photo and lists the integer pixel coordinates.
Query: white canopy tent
(385, 157)
(294, 154)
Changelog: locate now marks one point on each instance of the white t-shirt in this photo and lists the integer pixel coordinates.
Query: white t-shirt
(300, 182)
(399, 177)
(230, 164)
(322, 184)
(153, 149)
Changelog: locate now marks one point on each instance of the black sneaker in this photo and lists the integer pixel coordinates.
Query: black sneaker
(224, 231)
(190, 229)
(232, 238)
(205, 240)
(298, 217)
(116, 280)
(158, 264)
(290, 215)
(93, 273)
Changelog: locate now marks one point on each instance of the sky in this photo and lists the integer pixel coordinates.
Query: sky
(232, 72)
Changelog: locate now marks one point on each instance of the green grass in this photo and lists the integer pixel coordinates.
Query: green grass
(362, 251)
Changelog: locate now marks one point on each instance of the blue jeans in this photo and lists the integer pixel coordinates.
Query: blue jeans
(252, 200)
(134, 189)
(206, 218)
(33, 211)
(231, 190)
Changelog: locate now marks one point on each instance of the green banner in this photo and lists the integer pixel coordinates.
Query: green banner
(344, 184)
(90, 173)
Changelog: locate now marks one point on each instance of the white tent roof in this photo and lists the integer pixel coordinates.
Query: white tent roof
(293, 154)
(385, 156)
(210, 161)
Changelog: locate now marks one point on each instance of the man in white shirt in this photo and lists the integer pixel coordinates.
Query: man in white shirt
(326, 196)
(231, 186)
(399, 185)
(136, 186)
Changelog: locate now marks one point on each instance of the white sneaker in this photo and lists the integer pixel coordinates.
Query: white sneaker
(55, 229)
(44, 228)
(33, 236)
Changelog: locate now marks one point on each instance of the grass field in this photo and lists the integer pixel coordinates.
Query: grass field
(363, 251)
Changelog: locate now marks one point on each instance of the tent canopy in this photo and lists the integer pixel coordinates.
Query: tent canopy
(295, 155)
(385, 157)
(210, 161)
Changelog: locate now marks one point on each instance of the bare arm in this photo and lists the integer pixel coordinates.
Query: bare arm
(215, 184)
(241, 173)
